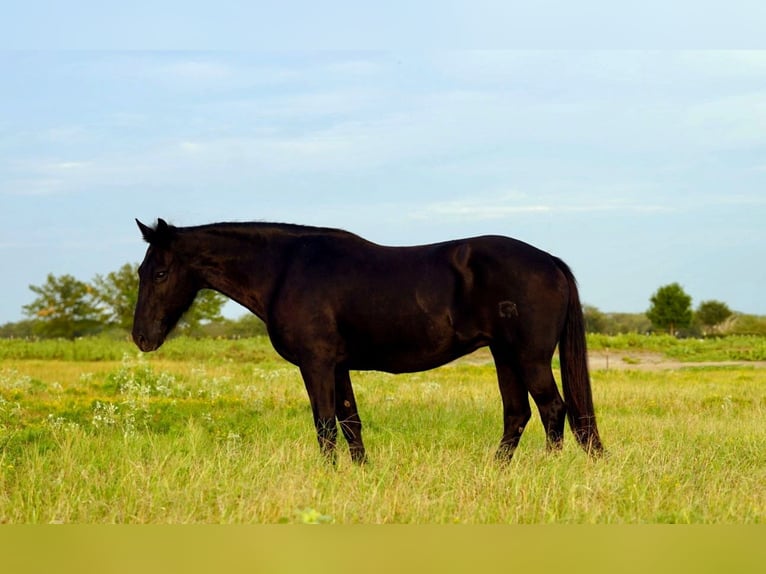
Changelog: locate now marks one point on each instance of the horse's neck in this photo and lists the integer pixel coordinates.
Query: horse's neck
(243, 269)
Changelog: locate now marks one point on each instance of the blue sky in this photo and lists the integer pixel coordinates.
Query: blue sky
(639, 167)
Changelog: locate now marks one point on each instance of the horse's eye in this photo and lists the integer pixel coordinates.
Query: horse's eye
(160, 276)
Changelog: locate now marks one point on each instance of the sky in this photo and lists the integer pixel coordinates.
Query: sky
(637, 167)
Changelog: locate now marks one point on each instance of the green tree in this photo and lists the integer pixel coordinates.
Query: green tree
(627, 323)
(710, 314)
(65, 307)
(117, 293)
(18, 330)
(595, 320)
(671, 308)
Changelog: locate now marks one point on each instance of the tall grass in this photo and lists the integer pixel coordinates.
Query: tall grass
(212, 440)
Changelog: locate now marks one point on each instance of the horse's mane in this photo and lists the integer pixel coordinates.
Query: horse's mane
(163, 233)
(247, 227)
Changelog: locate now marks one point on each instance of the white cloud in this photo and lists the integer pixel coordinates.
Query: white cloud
(501, 206)
(67, 165)
(496, 109)
(40, 177)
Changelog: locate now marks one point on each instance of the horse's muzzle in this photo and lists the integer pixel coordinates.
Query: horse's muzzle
(143, 343)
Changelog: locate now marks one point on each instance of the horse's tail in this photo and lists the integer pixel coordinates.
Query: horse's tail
(574, 370)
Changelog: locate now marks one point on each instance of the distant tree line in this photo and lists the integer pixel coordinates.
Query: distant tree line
(671, 312)
(65, 307)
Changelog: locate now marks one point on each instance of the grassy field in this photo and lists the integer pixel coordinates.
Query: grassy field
(221, 432)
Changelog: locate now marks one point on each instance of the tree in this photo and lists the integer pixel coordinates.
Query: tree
(18, 330)
(711, 314)
(118, 293)
(671, 308)
(65, 307)
(627, 323)
(595, 320)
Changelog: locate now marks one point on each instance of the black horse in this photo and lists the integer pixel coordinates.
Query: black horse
(334, 302)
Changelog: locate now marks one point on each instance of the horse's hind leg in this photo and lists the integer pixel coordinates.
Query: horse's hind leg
(538, 379)
(348, 416)
(516, 411)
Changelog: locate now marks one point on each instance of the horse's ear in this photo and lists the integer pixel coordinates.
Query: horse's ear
(162, 226)
(147, 232)
(161, 235)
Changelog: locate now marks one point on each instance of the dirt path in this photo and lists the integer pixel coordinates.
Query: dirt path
(626, 360)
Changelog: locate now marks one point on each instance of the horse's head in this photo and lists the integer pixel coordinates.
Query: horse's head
(167, 287)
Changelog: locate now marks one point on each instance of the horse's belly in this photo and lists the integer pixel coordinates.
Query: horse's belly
(406, 352)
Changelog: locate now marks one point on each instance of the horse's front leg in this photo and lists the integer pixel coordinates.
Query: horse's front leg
(319, 378)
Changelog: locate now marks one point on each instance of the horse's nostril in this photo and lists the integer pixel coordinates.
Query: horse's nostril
(140, 340)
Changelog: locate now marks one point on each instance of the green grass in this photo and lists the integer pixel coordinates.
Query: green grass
(221, 432)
